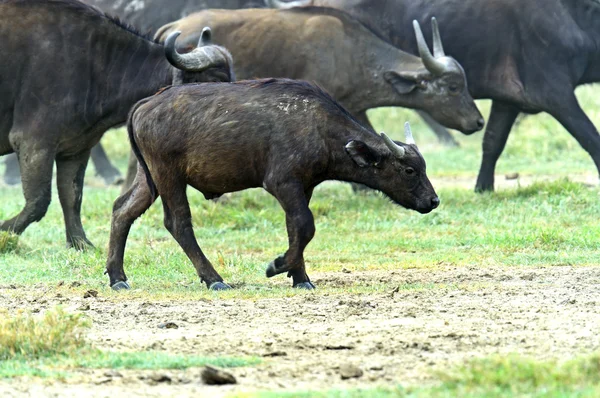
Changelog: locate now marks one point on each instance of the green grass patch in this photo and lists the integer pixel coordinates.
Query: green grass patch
(154, 360)
(53, 344)
(8, 242)
(513, 375)
(496, 377)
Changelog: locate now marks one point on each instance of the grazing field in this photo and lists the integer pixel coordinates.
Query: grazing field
(489, 295)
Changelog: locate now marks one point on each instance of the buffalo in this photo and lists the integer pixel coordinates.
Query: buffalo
(282, 135)
(61, 89)
(339, 53)
(528, 57)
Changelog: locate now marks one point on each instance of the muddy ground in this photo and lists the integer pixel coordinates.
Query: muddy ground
(435, 320)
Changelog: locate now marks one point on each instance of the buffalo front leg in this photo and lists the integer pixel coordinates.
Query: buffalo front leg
(126, 209)
(69, 180)
(573, 118)
(502, 117)
(12, 174)
(442, 134)
(300, 228)
(36, 167)
(109, 173)
(178, 220)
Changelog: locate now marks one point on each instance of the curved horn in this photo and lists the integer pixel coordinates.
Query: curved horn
(205, 37)
(397, 150)
(438, 48)
(432, 64)
(197, 60)
(287, 4)
(408, 134)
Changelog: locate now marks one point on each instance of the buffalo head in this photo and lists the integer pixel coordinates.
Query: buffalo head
(205, 63)
(398, 170)
(439, 86)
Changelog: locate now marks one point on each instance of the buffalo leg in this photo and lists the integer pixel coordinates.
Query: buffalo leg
(178, 220)
(104, 167)
(126, 209)
(69, 180)
(132, 168)
(573, 118)
(442, 134)
(12, 174)
(300, 228)
(36, 167)
(502, 117)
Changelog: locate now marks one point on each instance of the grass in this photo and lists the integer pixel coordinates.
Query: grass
(53, 344)
(501, 377)
(544, 224)
(28, 337)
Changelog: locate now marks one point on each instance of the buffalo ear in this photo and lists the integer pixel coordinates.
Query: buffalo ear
(403, 82)
(361, 153)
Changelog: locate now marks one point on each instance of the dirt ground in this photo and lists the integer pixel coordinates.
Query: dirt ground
(398, 336)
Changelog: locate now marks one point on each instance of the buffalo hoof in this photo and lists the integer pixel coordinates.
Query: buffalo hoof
(120, 285)
(305, 286)
(219, 286)
(276, 267)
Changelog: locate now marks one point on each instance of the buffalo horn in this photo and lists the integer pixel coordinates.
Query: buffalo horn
(438, 48)
(433, 65)
(205, 37)
(196, 61)
(288, 4)
(396, 149)
(408, 134)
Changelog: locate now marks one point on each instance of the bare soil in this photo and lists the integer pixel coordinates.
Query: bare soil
(433, 320)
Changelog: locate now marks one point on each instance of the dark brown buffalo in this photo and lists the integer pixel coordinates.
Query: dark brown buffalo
(527, 56)
(336, 51)
(68, 73)
(282, 135)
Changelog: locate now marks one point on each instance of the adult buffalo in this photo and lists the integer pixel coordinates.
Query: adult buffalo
(339, 53)
(69, 73)
(528, 57)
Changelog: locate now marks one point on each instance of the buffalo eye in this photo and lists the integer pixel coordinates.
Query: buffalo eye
(453, 88)
(409, 171)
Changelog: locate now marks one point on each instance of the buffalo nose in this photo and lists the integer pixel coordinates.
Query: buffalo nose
(435, 202)
(480, 123)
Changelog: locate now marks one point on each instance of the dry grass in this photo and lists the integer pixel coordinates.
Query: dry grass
(28, 336)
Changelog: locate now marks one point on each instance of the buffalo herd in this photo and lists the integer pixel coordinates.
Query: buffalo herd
(71, 70)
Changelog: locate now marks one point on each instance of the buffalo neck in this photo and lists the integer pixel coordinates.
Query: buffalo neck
(586, 13)
(374, 91)
(136, 75)
(341, 167)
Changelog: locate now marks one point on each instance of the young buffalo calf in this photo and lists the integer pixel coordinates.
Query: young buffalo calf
(283, 135)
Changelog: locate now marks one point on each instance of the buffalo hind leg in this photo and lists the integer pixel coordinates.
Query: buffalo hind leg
(300, 228)
(12, 173)
(104, 168)
(36, 167)
(132, 168)
(178, 220)
(502, 117)
(69, 180)
(126, 209)
(575, 121)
